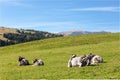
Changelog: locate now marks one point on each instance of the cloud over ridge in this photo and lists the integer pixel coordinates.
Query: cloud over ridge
(111, 9)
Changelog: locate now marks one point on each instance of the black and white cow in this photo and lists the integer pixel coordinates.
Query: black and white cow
(38, 62)
(77, 61)
(23, 61)
(94, 59)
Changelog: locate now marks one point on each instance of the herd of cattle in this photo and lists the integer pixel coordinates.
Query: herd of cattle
(85, 60)
(74, 60)
(23, 62)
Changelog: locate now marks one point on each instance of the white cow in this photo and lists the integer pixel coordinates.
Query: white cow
(38, 62)
(96, 59)
(77, 61)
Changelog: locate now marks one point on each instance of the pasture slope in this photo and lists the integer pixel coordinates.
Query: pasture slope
(55, 52)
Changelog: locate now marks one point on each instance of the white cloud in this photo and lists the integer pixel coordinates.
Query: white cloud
(112, 9)
(7, 0)
(14, 3)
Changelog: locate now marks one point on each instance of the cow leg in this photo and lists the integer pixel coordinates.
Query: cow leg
(80, 64)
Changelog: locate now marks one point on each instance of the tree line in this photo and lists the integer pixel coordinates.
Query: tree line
(26, 36)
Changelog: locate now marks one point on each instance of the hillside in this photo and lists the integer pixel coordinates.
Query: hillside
(55, 52)
(4, 30)
(9, 36)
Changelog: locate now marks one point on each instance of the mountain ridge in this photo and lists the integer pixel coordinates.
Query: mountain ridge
(77, 32)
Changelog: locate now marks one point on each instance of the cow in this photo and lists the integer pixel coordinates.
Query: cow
(38, 62)
(22, 61)
(77, 61)
(94, 59)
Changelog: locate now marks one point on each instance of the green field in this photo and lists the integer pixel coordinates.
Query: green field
(55, 53)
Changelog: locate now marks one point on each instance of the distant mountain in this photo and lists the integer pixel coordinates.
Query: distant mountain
(77, 32)
(10, 36)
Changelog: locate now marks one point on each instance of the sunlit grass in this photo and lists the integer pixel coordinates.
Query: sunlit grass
(56, 52)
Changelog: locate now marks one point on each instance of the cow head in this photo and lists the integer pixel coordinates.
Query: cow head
(35, 60)
(20, 58)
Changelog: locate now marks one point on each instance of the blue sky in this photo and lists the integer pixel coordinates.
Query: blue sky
(61, 15)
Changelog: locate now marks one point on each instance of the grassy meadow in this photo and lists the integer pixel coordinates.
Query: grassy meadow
(55, 52)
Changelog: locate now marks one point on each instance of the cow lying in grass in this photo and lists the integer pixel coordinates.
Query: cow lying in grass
(38, 62)
(84, 60)
(23, 61)
(95, 59)
(77, 61)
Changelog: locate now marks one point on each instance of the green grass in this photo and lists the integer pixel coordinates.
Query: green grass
(55, 52)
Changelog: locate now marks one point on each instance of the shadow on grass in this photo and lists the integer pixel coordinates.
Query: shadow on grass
(98, 64)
